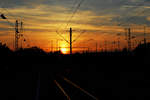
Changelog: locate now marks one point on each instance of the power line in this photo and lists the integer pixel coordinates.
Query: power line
(10, 13)
(4, 17)
(130, 9)
(72, 7)
(78, 36)
(73, 14)
(136, 6)
(69, 19)
(62, 37)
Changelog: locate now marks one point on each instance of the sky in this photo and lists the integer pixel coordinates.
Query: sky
(99, 22)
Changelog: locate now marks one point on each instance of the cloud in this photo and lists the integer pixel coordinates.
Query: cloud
(98, 12)
(137, 20)
(18, 3)
(96, 16)
(4, 34)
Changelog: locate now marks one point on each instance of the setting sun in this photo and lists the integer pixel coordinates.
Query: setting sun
(64, 50)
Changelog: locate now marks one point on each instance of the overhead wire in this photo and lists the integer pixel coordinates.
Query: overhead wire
(11, 14)
(15, 17)
(11, 24)
(131, 8)
(62, 24)
(26, 38)
(78, 36)
(62, 37)
(72, 7)
(5, 18)
(74, 12)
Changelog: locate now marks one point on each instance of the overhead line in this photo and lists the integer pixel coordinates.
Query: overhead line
(11, 24)
(9, 13)
(62, 37)
(15, 17)
(136, 6)
(78, 37)
(61, 25)
(75, 11)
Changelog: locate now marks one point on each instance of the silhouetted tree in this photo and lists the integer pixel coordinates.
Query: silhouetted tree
(143, 49)
(33, 51)
(4, 50)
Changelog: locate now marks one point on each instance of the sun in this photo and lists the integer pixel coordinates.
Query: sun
(64, 50)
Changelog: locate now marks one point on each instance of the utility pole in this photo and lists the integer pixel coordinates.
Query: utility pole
(118, 35)
(114, 45)
(21, 31)
(100, 47)
(16, 35)
(105, 43)
(118, 43)
(52, 46)
(70, 41)
(126, 33)
(144, 35)
(126, 36)
(58, 47)
(96, 47)
(129, 39)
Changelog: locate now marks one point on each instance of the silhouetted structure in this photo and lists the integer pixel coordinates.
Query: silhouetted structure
(71, 41)
(129, 39)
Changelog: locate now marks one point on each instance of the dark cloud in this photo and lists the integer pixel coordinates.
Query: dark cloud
(139, 20)
(120, 8)
(68, 3)
(33, 3)
(97, 6)
(22, 3)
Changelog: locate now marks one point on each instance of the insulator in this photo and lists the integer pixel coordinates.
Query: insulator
(3, 17)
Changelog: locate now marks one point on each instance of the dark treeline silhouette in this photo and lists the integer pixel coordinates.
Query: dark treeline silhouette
(33, 51)
(141, 49)
(119, 75)
(4, 50)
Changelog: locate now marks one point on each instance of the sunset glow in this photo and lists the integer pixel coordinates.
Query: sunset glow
(102, 22)
(64, 50)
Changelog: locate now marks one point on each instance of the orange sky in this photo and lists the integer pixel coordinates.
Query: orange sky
(42, 21)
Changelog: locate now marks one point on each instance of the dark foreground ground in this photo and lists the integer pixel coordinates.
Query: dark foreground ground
(106, 77)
